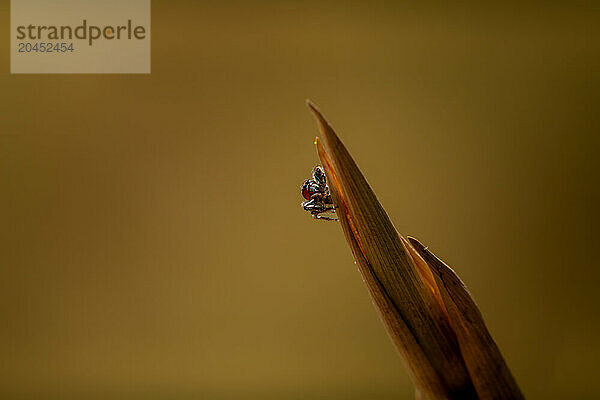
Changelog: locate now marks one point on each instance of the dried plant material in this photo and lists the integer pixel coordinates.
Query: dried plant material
(410, 306)
(489, 372)
(404, 288)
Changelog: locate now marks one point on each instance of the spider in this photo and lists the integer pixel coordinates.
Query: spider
(316, 192)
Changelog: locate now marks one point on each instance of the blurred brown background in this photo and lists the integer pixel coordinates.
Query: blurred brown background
(153, 247)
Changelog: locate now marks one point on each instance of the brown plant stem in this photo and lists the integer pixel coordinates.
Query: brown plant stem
(407, 291)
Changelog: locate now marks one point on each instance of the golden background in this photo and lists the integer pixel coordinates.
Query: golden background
(152, 245)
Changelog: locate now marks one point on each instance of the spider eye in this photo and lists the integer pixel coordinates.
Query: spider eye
(319, 175)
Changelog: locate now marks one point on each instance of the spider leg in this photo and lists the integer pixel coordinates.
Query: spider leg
(316, 207)
(317, 216)
(309, 205)
(317, 197)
